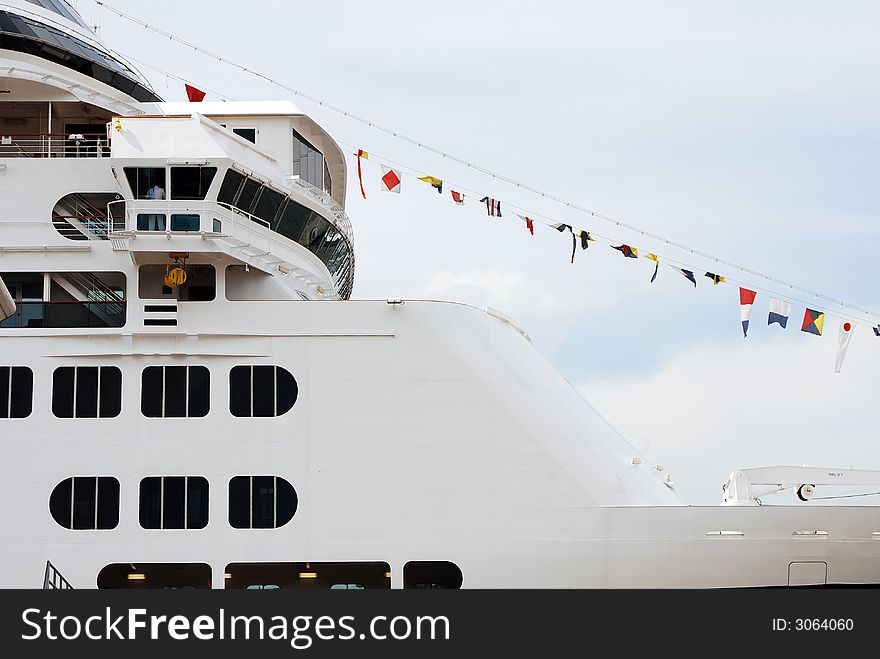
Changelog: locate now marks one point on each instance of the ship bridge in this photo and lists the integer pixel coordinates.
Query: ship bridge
(258, 180)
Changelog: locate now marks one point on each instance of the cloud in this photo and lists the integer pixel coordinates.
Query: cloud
(715, 408)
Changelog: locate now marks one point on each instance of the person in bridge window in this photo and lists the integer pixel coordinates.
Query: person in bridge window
(153, 221)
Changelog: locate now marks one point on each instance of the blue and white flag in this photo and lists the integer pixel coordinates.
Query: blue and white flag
(780, 310)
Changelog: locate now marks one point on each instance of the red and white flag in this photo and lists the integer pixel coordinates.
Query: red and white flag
(457, 197)
(530, 223)
(846, 332)
(390, 180)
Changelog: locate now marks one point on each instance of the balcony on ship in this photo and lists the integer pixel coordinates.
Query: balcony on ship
(65, 300)
(53, 130)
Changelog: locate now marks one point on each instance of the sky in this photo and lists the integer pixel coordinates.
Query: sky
(747, 130)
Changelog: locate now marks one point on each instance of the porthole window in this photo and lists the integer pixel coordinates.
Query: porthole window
(175, 391)
(86, 503)
(86, 392)
(174, 502)
(16, 392)
(260, 502)
(261, 391)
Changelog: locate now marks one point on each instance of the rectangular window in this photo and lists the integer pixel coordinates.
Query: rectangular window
(185, 222)
(229, 188)
(146, 182)
(86, 392)
(191, 183)
(175, 391)
(151, 222)
(16, 392)
(261, 502)
(261, 391)
(308, 162)
(174, 502)
(250, 134)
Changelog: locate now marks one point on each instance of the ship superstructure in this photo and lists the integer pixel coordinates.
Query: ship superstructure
(190, 398)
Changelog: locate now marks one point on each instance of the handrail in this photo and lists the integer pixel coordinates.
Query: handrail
(54, 580)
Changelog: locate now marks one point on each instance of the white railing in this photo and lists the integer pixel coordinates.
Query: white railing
(45, 145)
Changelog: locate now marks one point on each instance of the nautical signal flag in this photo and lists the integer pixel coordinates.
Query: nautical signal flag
(687, 274)
(390, 180)
(876, 329)
(530, 223)
(493, 206)
(434, 181)
(780, 310)
(194, 94)
(716, 279)
(366, 156)
(846, 332)
(627, 251)
(656, 260)
(585, 239)
(813, 322)
(457, 197)
(746, 300)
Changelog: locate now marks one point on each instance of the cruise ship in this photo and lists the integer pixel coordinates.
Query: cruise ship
(190, 398)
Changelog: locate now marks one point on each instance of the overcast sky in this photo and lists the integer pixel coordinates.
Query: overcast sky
(744, 129)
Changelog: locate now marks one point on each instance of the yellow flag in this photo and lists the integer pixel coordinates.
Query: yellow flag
(434, 181)
(653, 257)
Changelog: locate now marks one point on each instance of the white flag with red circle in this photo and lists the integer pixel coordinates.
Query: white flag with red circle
(390, 180)
(846, 331)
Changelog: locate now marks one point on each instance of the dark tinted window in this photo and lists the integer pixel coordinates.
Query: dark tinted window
(174, 502)
(86, 392)
(146, 182)
(175, 391)
(185, 222)
(151, 222)
(261, 391)
(191, 183)
(250, 134)
(432, 575)
(230, 187)
(16, 392)
(86, 503)
(260, 502)
(268, 205)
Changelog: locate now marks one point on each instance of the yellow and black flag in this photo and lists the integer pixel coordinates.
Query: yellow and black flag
(716, 279)
(434, 181)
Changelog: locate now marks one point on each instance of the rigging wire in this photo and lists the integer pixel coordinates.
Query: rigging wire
(549, 222)
(500, 177)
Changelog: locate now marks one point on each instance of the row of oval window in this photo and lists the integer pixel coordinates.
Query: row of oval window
(91, 392)
(172, 502)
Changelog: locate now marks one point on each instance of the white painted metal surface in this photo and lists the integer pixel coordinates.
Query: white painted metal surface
(422, 430)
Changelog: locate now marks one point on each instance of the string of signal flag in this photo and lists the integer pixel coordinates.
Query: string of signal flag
(780, 308)
(863, 314)
(813, 319)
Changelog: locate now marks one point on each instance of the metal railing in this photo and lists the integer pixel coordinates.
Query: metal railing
(54, 580)
(87, 227)
(66, 314)
(54, 145)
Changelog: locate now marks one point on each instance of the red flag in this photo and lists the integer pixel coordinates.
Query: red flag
(194, 95)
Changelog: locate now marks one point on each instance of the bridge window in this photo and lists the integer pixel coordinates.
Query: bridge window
(146, 182)
(250, 134)
(261, 391)
(174, 502)
(191, 183)
(308, 162)
(230, 187)
(86, 392)
(151, 222)
(311, 576)
(260, 502)
(432, 575)
(158, 576)
(86, 503)
(185, 222)
(16, 392)
(175, 391)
